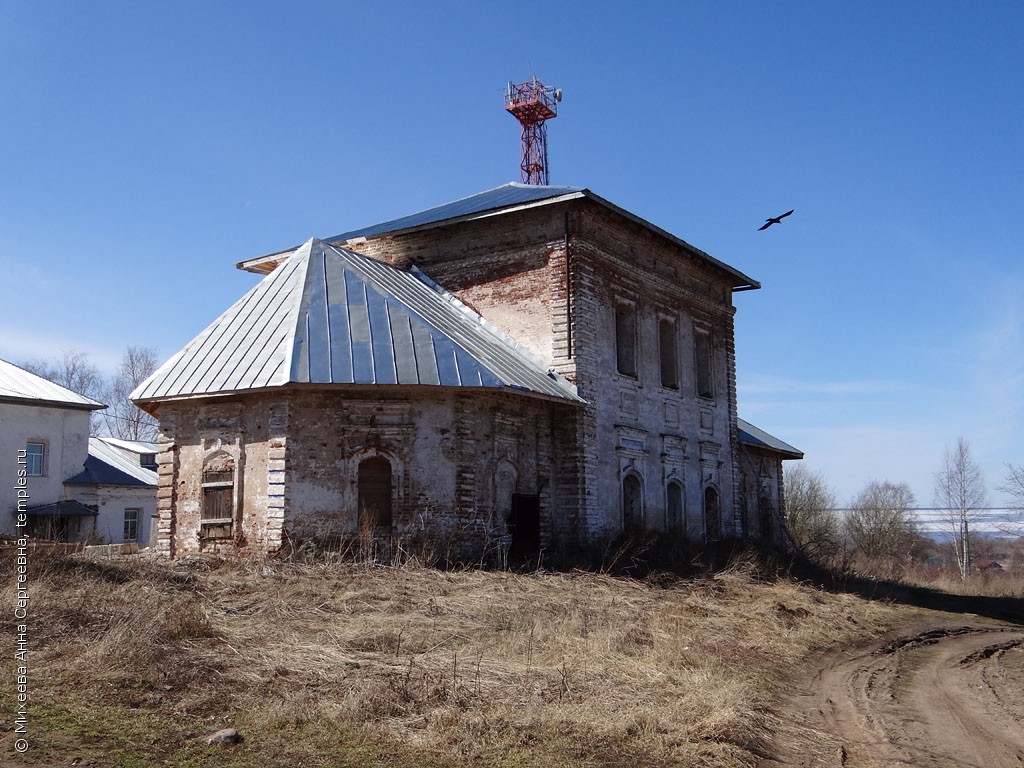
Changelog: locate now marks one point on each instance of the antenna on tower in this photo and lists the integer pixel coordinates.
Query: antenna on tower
(532, 103)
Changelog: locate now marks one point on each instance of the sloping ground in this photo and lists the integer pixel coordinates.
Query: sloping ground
(133, 661)
(946, 696)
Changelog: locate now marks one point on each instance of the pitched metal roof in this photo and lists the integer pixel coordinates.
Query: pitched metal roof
(332, 316)
(20, 386)
(758, 438)
(69, 508)
(132, 446)
(106, 465)
(504, 199)
(506, 196)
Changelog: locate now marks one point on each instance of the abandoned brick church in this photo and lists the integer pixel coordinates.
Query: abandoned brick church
(525, 368)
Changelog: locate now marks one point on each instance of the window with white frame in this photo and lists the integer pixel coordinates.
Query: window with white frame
(131, 524)
(35, 453)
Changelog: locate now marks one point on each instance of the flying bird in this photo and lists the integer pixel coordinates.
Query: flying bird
(774, 220)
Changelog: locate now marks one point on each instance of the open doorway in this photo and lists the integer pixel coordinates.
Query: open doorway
(524, 525)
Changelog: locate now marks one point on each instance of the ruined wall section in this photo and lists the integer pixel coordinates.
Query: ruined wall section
(218, 451)
(287, 467)
(503, 266)
(640, 427)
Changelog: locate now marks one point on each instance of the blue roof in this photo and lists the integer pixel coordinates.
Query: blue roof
(758, 438)
(69, 508)
(329, 315)
(505, 196)
(106, 465)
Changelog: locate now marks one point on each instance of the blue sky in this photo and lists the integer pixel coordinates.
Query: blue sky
(147, 147)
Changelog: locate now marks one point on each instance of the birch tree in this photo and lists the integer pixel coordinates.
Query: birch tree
(122, 418)
(960, 490)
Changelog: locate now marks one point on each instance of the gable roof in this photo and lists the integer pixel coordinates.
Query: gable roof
(758, 438)
(20, 386)
(504, 199)
(106, 465)
(333, 316)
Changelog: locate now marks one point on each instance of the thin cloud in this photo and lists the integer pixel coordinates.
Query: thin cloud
(776, 385)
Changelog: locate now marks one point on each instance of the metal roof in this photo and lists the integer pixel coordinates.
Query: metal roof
(758, 438)
(332, 316)
(20, 386)
(69, 508)
(106, 465)
(503, 199)
(506, 196)
(133, 446)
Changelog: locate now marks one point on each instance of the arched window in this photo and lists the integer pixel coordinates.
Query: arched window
(375, 492)
(712, 515)
(632, 503)
(675, 510)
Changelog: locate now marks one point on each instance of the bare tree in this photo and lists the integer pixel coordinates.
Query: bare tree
(881, 523)
(123, 419)
(810, 518)
(73, 370)
(1014, 486)
(960, 490)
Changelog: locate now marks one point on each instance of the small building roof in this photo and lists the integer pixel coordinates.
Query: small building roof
(62, 509)
(106, 465)
(333, 316)
(20, 386)
(758, 438)
(132, 446)
(504, 199)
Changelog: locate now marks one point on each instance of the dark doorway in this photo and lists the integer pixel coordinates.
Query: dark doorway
(766, 513)
(632, 504)
(375, 492)
(524, 525)
(712, 515)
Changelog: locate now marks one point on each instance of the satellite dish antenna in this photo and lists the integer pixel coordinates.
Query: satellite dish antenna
(558, 94)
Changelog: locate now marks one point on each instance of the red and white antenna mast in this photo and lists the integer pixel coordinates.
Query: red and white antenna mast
(532, 103)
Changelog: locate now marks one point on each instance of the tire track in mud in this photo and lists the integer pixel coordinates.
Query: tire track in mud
(948, 696)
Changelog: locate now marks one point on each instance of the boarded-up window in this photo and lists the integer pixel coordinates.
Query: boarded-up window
(712, 515)
(218, 513)
(675, 515)
(632, 503)
(625, 339)
(217, 503)
(668, 348)
(375, 492)
(702, 364)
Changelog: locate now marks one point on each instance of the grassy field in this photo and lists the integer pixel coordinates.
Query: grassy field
(134, 661)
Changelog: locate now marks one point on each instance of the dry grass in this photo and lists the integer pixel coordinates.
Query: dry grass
(133, 660)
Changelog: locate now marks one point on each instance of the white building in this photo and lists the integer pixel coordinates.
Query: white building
(75, 488)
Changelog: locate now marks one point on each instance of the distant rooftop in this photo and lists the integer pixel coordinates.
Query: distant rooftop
(504, 199)
(758, 438)
(106, 465)
(19, 386)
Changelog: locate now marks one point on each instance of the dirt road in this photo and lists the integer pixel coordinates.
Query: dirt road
(949, 696)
